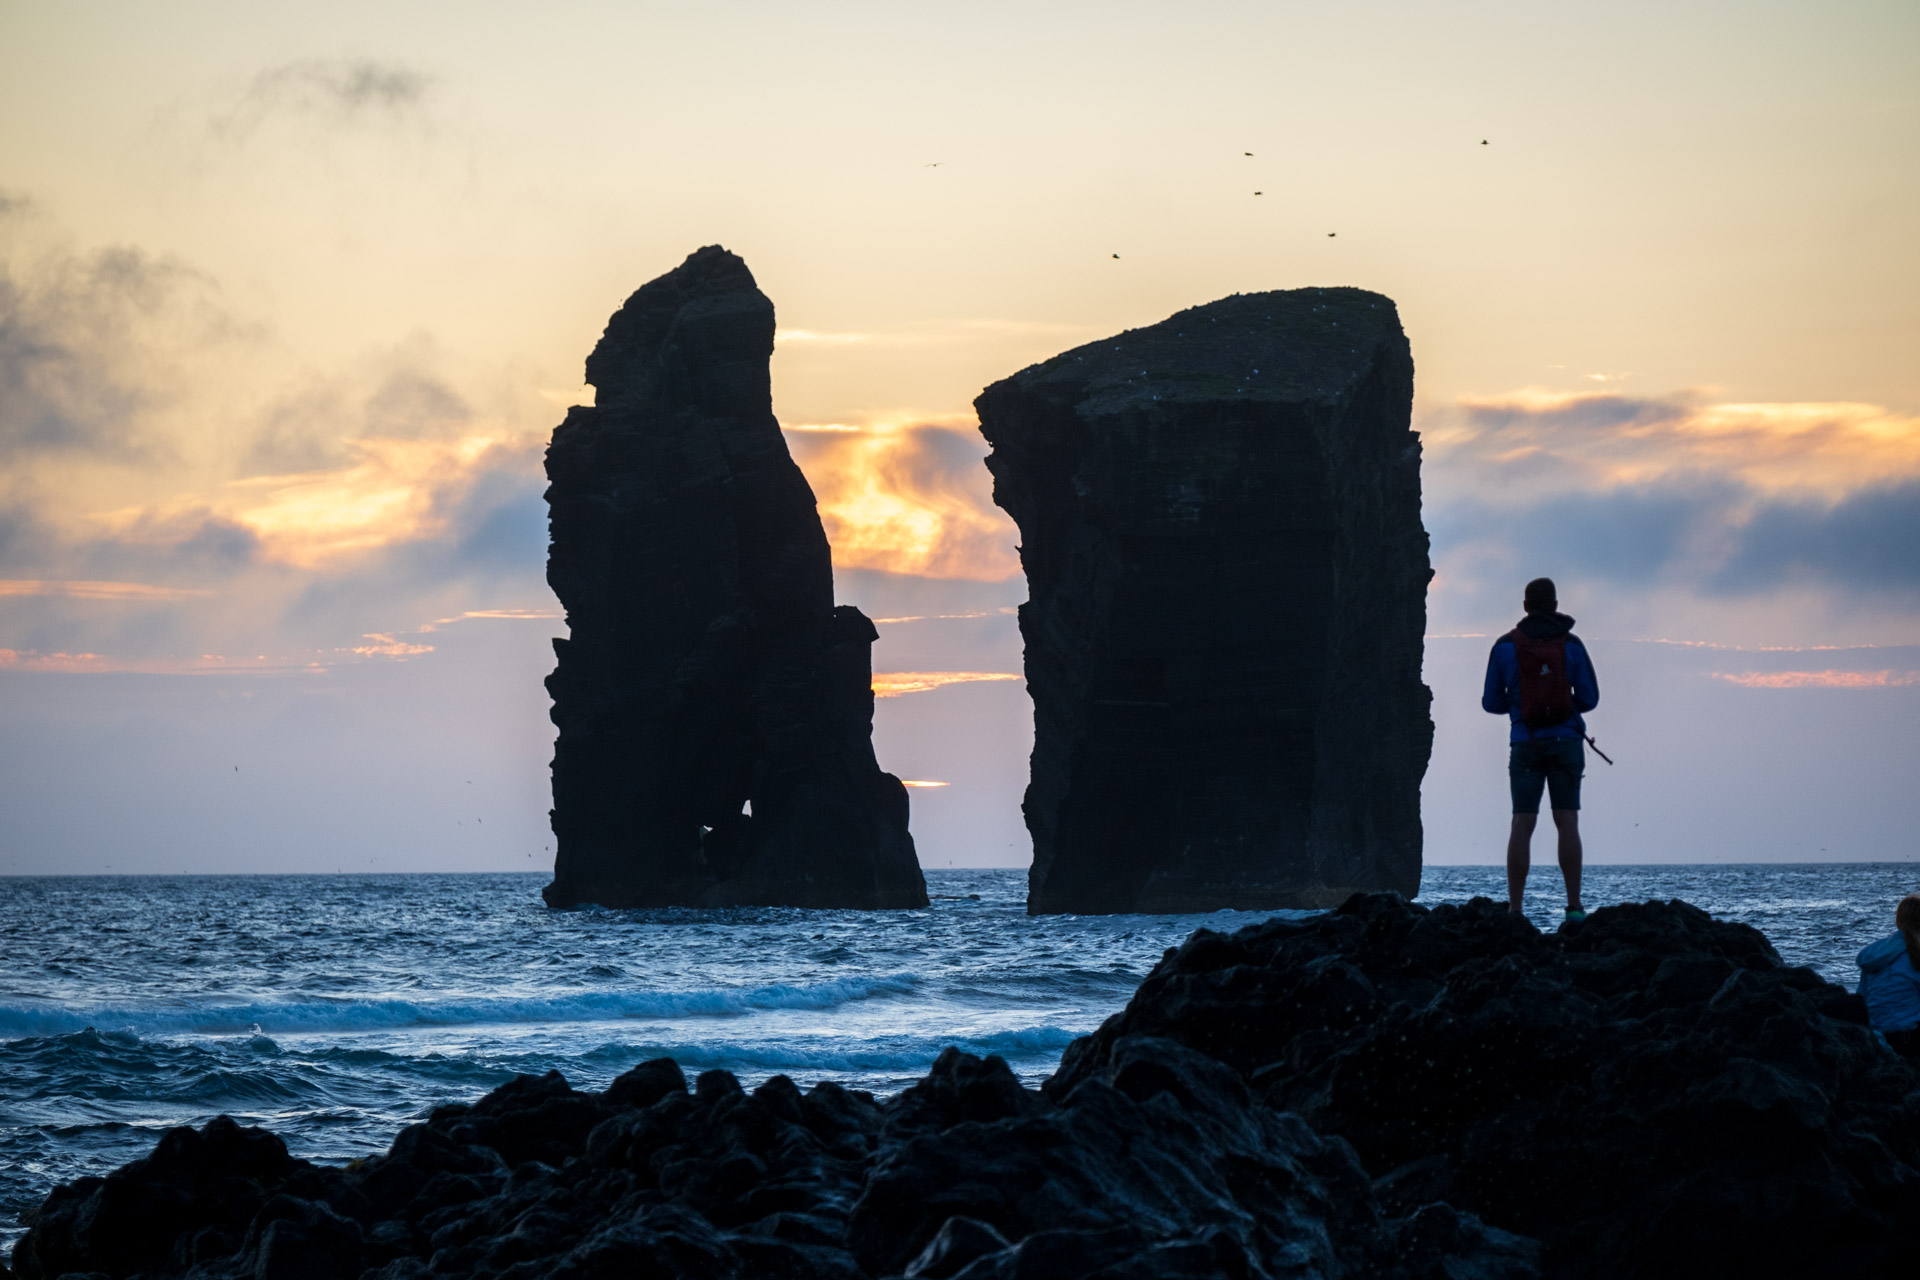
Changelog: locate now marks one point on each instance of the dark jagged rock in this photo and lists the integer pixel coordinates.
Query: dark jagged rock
(707, 666)
(1650, 1093)
(1226, 575)
(1161, 1167)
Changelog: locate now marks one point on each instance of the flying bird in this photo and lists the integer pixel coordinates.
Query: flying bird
(936, 164)
(1256, 193)
(1246, 153)
(1332, 234)
(1483, 142)
(1116, 256)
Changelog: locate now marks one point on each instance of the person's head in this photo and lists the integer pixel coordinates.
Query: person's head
(1541, 596)
(1906, 917)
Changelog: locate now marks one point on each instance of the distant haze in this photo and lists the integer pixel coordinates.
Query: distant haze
(290, 299)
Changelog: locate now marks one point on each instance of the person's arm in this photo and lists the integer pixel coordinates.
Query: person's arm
(1586, 685)
(1493, 699)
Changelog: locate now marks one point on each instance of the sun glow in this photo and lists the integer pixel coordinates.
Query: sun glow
(390, 493)
(907, 499)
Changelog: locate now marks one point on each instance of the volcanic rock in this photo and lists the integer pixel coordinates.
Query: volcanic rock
(707, 668)
(1226, 575)
(1649, 1093)
(1160, 1167)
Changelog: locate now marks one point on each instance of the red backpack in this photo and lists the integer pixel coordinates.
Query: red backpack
(1546, 695)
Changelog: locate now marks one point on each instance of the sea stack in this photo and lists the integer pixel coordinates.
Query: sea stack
(1226, 573)
(715, 708)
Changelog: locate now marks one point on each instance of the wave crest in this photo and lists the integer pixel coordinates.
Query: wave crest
(347, 1014)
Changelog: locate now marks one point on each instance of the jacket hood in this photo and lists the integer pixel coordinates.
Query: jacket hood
(1877, 956)
(1544, 626)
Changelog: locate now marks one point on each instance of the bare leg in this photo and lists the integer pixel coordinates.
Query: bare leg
(1567, 821)
(1519, 856)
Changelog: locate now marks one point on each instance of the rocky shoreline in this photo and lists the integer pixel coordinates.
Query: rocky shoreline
(1382, 1090)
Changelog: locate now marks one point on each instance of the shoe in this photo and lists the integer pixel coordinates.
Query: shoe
(1576, 914)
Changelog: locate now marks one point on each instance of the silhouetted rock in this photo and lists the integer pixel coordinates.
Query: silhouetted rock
(706, 665)
(1160, 1167)
(201, 1195)
(1650, 1093)
(1226, 574)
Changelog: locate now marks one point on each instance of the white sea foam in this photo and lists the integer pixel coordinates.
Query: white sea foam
(351, 1014)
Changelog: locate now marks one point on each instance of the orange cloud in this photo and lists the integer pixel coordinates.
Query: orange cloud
(393, 491)
(29, 660)
(100, 664)
(77, 590)
(892, 684)
(907, 499)
(1003, 611)
(1605, 439)
(513, 615)
(385, 646)
(1818, 679)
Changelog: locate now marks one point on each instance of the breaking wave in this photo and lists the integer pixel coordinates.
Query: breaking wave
(352, 1014)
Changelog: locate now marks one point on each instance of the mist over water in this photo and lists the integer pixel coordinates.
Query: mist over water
(335, 1009)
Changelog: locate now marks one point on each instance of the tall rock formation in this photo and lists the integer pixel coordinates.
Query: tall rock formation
(707, 667)
(1226, 573)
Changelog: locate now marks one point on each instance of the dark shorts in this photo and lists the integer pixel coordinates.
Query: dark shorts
(1554, 765)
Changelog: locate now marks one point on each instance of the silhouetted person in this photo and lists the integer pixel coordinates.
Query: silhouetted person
(1540, 677)
(1890, 980)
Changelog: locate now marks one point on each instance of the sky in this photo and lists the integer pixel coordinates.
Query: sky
(291, 298)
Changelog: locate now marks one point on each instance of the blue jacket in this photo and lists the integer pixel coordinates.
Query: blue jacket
(1890, 984)
(1502, 694)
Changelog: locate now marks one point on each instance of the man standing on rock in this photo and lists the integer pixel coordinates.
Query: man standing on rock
(1539, 675)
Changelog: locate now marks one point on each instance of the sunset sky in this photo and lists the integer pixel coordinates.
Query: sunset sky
(292, 296)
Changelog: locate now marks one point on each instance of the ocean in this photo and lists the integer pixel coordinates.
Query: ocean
(336, 1009)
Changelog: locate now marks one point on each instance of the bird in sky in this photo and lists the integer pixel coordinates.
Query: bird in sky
(1332, 234)
(1256, 193)
(1483, 142)
(1246, 153)
(936, 164)
(1116, 256)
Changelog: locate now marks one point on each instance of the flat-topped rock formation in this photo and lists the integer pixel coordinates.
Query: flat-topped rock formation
(707, 666)
(1226, 571)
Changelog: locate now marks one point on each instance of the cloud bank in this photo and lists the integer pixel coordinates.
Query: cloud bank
(1715, 500)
